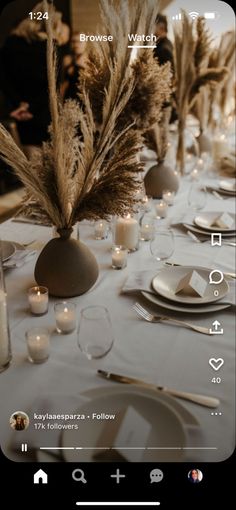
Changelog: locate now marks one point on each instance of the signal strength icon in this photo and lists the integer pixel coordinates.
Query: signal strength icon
(193, 14)
(177, 17)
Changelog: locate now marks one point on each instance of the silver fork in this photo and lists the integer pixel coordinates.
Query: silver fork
(159, 318)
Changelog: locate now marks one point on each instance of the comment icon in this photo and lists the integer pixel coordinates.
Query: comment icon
(156, 476)
(216, 277)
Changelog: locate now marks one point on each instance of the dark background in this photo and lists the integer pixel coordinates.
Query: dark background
(16, 11)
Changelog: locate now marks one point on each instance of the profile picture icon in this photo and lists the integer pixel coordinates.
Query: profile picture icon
(195, 476)
(19, 421)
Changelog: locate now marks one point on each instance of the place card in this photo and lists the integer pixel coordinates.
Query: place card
(224, 221)
(127, 431)
(192, 284)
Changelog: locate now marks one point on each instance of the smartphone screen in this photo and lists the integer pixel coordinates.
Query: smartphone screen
(117, 237)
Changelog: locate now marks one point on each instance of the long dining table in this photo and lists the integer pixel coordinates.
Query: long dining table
(161, 353)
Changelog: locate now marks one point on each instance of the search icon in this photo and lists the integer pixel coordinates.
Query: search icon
(216, 277)
(78, 475)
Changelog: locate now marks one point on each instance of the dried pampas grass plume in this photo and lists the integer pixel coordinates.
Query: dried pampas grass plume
(95, 175)
(191, 55)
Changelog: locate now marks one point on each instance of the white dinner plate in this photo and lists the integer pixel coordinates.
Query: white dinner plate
(167, 281)
(185, 415)
(228, 186)
(167, 428)
(196, 230)
(205, 220)
(8, 249)
(168, 305)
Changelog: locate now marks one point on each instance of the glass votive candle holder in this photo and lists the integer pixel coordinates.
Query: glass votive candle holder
(161, 209)
(146, 231)
(38, 300)
(101, 229)
(194, 175)
(168, 196)
(65, 315)
(38, 344)
(119, 257)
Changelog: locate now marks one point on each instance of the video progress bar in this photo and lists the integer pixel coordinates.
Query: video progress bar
(128, 448)
(118, 503)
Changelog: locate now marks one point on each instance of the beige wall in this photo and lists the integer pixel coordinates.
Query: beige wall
(85, 14)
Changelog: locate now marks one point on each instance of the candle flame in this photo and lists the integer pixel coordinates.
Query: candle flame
(66, 310)
(128, 216)
(37, 337)
(38, 293)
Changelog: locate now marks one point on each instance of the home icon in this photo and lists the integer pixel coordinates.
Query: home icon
(40, 477)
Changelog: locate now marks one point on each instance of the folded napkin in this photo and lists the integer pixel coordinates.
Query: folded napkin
(139, 281)
(19, 258)
(142, 281)
(221, 191)
(57, 405)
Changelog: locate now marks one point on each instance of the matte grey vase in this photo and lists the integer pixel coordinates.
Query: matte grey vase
(160, 177)
(204, 143)
(66, 267)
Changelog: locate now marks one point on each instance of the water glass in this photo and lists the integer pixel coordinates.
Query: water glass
(197, 197)
(95, 336)
(162, 245)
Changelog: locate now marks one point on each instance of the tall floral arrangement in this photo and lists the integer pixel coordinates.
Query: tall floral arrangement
(192, 73)
(93, 176)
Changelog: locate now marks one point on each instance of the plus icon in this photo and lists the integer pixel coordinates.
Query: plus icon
(117, 476)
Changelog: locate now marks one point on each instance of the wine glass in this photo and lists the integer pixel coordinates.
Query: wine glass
(162, 245)
(197, 197)
(95, 336)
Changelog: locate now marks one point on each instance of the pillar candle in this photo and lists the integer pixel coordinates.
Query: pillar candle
(127, 233)
(4, 334)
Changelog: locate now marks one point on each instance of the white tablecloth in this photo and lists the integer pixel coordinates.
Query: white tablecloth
(159, 353)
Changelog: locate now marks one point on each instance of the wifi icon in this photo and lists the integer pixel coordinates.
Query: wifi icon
(193, 14)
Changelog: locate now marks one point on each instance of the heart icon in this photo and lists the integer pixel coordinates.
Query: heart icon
(216, 364)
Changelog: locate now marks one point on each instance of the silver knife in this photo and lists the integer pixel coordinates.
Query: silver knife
(202, 400)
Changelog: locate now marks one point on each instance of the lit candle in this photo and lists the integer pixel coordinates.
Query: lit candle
(200, 164)
(146, 231)
(127, 233)
(161, 209)
(219, 147)
(194, 174)
(5, 354)
(119, 257)
(101, 229)
(168, 196)
(38, 300)
(65, 314)
(146, 203)
(38, 344)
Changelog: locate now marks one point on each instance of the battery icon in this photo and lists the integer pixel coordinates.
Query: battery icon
(209, 15)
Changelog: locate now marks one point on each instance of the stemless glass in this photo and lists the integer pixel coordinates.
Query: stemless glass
(95, 336)
(162, 245)
(197, 197)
